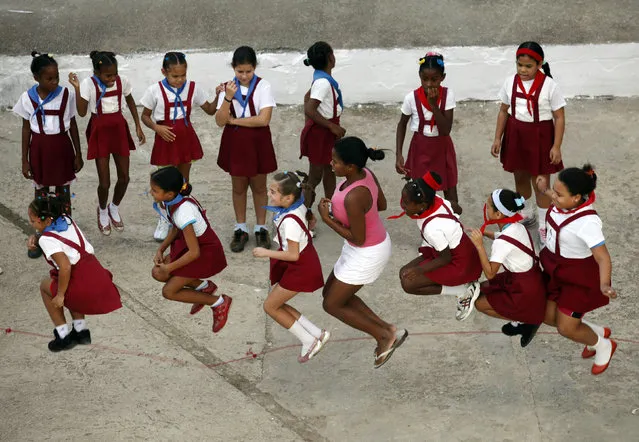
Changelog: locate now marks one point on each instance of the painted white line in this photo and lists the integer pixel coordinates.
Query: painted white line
(371, 75)
(18, 11)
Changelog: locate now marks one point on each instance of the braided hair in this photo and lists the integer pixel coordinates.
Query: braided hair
(318, 55)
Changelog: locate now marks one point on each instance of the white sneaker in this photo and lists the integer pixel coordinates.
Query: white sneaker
(466, 303)
(162, 229)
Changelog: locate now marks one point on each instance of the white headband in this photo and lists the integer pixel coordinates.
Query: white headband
(498, 204)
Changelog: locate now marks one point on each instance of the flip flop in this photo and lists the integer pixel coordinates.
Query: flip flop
(385, 356)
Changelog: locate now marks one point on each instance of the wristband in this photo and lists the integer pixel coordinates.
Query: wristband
(227, 100)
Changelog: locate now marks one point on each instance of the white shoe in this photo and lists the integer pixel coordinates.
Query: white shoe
(529, 221)
(466, 303)
(162, 229)
(542, 237)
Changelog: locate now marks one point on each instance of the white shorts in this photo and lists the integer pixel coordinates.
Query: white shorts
(362, 265)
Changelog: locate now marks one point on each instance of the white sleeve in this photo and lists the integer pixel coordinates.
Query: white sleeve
(71, 106)
(557, 100)
(591, 232)
(436, 238)
(320, 89)
(199, 96)
(500, 250)
(50, 246)
(503, 93)
(450, 100)
(86, 86)
(127, 89)
(185, 215)
(292, 230)
(266, 96)
(220, 100)
(407, 109)
(149, 100)
(21, 109)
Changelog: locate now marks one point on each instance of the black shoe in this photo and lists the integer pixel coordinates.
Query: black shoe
(81, 337)
(34, 254)
(59, 344)
(240, 238)
(511, 330)
(528, 332)
(263, 239)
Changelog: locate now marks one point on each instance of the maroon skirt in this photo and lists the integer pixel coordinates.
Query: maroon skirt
(317, 142)
(52, 159)
(246, 151)
(436, 154)
(91, 290)
(526, 146)
(108, 134)
(304, 275)
(211, 261)
(464, 267)
(572, 283)
(183, 150)
(518, 296)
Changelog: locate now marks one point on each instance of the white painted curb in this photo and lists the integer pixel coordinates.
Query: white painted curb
(371, 75)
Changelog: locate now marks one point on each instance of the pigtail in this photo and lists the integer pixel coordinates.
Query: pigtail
(186, 189)
(40, 61)
(35, 54)
(318, 55)
(590, 171)
(375, 154)
(546, 68)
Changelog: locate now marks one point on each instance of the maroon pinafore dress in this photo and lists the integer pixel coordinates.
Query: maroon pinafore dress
(317, 142)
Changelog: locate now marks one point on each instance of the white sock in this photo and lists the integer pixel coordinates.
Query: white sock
(603, 347)
(456, 290)
(529, 208)
(220, 301)
(79, 324)
(115, 212)
(104, 217)
(310, 327)
(63, 330)
(598, 329)
(241, 226)
(259, 227)
(515, 323)
(304, 336)
(541, 217)
(202, 286)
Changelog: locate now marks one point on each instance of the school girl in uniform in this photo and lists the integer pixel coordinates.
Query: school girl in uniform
(518, 293)
(448, 263)
(167, 111)
(246, 149)
(577, 263)
(107, 132)
(295, 266)
(51, 154)
(77, 279)
(323, 107)
(196, 253)
(353, 213)
(429, 109)
(530, 129)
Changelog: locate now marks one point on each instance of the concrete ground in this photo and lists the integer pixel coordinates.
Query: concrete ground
(155, 373)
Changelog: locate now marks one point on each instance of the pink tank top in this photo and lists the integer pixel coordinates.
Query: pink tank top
(375, 231)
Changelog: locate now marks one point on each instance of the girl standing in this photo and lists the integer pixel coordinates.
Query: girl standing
(323, 107)
(530, 129)
(196, 252)
(577, 263)
(517, 293)
(77, 279)
(353, 213)
(429, 109)
(107, 132)
(246, 148)
(448, 263)
(295, 266)
(167, 111)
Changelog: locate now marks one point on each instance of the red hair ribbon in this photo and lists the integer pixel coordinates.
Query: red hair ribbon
(532, 54)
(430, 180)
(591, 172)
(511, 219)
(437, 203)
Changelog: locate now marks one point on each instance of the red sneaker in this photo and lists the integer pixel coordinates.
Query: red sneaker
(210, 289)
(598, 369)
(221, 313)
(587, 353)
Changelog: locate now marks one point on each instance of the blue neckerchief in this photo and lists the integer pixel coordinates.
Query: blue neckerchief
(321, 74)
(33, 94)
(59, 225)
(167, 204)
(177, 101)
(103, 88)
(279, 211)
(238, 95)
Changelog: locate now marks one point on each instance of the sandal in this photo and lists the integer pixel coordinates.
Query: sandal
(385, 356)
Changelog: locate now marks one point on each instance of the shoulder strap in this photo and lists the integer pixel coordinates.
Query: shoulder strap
(334, 101)
(167, 105)
(420, 112)
(189, 100)
(79, 248)
(442, 105)
(527, 250)
(118, 90)
(298, 221)
(557, 227)
(63, 108)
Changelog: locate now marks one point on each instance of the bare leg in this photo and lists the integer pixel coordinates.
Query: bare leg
(420, 284)
(185, 170)
(175, 290)
(275, 306)
(522, 183)
(240, 187)
(55, 313)
(104, 181)
(260, 198)
(122, 168)
(451, 195)
(543, 200)
(484, 306)
(575, 330)
(328, 179)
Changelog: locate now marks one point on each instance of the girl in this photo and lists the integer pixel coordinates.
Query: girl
(323, 106)
(77, 279)
(530, 129)
(107, 131)
(577, 263)
(518, 293)
(449, 264)
(353, 213)
(430, 112)
(196, 252)
(246, 148)
(295, 266)
(51, 154)
(167, 111)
